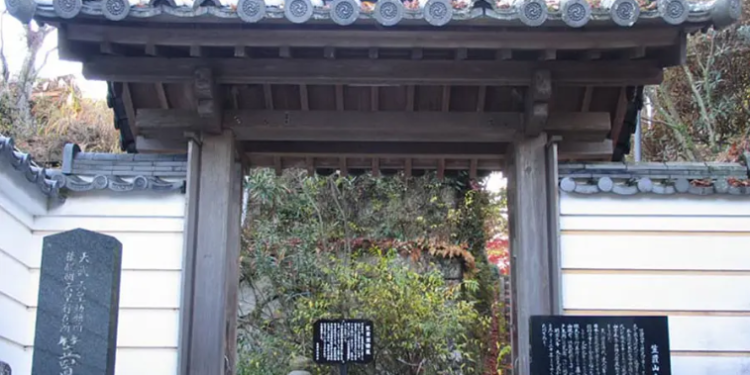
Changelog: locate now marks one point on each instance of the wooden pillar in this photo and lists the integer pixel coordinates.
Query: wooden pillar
(212, 249)
(529, 240)
(553, 230)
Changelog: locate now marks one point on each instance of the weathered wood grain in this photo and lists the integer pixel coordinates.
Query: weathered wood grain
(215, 197)
(192, 190)
(529, 239)
(375, 126)
(352, 38)
(403, 72)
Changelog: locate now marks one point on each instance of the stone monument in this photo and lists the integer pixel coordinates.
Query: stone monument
(79, 294)
(5, 369)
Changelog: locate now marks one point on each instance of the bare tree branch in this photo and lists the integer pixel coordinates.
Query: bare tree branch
(44, 62)
(5, 70)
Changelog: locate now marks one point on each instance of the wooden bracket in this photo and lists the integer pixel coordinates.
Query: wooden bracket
(208, 100)
(537, 103)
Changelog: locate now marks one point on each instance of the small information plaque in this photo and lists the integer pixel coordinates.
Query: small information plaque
(600, 345)
(343, 341)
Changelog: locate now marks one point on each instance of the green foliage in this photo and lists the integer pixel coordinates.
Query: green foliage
(361, 247)
(421, 322)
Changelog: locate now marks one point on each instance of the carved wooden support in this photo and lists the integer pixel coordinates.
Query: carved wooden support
(537, 103)
(207, 100)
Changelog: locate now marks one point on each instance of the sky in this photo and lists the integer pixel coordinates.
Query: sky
(15, 50)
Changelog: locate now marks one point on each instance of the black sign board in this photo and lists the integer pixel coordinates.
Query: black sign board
(79, 294)
(343, 341)
(594, 345)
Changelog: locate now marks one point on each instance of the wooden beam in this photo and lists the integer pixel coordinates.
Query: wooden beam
(268, 97)
(372, 52)
(233, 268)
(481, 98)
(161, 146)
(339, 97)
(127, 102)
(417, 54)
(367, 149)
(437, 72)
(240, 51)
(278, 167)
(285, 52)
(446, 101)
(462, 54)
(410, 97)
(186, 35)
(196, 51)
(208, 100)
(586, 102)
(537, 103)
(303, 99)
(527, 189)
(635, 53)
(504, 54)
(235, 97)
(553, 229)
(343, 169)
(189, 255)
(592, 55)
(162, 95)
(213, 249)
(310, 165)
(383, 126)
(571, 151)
(619, 117)
(548, 54)
(374, 126)
(151, 49)
(374, 98)
(365, 162)
(107, 48)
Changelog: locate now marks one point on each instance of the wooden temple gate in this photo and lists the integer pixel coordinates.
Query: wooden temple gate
(345, 86)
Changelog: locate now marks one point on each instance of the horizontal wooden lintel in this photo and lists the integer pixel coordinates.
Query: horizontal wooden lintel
(486, 38)
(382, 72)
(352, 126)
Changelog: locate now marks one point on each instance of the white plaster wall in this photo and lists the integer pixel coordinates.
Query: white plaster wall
(150, 226)
(15, 281)
(687, 257)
